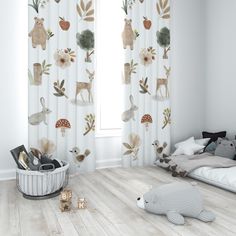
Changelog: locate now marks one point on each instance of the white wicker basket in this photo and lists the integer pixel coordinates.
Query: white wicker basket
(39, 184)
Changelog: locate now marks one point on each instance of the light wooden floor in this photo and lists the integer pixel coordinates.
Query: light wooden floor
(112, 210)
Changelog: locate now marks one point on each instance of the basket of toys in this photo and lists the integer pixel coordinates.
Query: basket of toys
(38, 176)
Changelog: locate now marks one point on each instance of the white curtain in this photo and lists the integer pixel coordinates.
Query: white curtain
(61, 77)
(146, 117)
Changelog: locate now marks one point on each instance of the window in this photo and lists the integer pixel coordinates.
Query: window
(109, 23)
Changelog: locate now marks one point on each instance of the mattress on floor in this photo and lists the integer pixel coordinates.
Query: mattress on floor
(222, 177)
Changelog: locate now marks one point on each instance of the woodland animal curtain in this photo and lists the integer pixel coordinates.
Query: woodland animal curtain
(147, 115)
(61, 77)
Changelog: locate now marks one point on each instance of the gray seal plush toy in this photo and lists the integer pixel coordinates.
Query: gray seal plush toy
(175, 200)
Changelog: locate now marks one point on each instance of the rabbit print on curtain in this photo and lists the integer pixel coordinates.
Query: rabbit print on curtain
(61, 78)
(146, 74)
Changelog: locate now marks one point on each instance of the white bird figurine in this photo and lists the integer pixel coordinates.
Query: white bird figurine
(77, 156)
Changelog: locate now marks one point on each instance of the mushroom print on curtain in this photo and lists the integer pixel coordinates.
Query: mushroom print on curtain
(61, 77)
(146, 74)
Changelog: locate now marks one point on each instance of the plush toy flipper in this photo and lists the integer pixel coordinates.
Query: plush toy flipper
(206, 216)
(175, 218)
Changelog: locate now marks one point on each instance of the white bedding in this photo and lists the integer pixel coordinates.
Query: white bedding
(221, 177)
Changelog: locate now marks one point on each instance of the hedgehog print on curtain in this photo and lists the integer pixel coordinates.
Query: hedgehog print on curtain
(61, 78)
(146, 77)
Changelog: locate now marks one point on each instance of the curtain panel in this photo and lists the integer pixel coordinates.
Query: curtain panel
(61, 78)
(146, 77)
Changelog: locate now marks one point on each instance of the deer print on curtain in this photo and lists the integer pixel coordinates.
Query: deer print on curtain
(61, 77)
(146, 74)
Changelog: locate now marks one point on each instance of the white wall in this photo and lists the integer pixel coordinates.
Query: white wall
(108, 152)
(221, 65)
(13, 88)
(188, 68)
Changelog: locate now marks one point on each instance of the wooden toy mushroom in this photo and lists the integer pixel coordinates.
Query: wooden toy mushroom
(146, 120)
(63, 124)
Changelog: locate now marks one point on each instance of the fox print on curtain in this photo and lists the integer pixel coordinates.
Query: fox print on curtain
(147, 116)
(61, 77)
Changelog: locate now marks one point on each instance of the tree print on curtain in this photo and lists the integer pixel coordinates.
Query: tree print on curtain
(147, 115)
(61, 76)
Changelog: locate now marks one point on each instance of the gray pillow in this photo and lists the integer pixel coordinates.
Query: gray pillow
(211, 147)
(226, 148)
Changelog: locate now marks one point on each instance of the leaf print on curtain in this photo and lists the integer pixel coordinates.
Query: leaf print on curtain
(61, 75)
(147, 115)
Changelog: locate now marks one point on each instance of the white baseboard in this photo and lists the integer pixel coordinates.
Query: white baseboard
(7, 174)
(101, 164)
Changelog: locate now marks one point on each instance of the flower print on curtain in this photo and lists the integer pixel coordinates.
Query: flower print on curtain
(147, 115)
(61, 76)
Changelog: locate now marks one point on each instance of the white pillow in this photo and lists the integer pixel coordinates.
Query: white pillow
(188, 149)
(187, 141)
(202, 141)
(178, 151)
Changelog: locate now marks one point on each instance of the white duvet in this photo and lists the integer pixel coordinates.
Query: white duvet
(221, 177)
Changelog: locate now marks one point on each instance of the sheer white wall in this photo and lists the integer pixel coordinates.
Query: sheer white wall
(14, 82)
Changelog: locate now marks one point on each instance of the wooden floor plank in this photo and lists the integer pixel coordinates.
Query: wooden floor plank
(98, 210)
(9, 211)
(54, 228)
(112, 210)
(31, 218)
(139, 225)
(159, 221)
